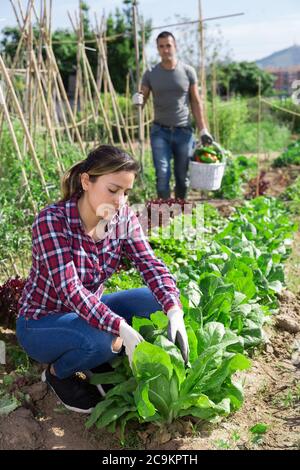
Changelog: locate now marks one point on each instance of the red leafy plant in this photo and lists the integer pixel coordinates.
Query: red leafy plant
(10, 293)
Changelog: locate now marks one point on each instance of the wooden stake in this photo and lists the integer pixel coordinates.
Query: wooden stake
(16, 57)
(51, 56)
(116, 107)
(202, 74)
(105, 118)
(48, 119)
(138, 84)
(17, 148)
(24, 125)
(258, 136)
(127, 98)
(214, 103)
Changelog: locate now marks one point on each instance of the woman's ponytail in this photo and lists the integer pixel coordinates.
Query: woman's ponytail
(71, 183)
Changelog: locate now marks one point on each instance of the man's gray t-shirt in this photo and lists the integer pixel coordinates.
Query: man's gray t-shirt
(170, 89)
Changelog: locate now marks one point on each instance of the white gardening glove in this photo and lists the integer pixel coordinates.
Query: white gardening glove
(205, 137)
(138, 99)
(177, 331)
(130, 337)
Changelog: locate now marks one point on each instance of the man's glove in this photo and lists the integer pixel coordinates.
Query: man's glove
(138, 99)
(177, 331)
(131, 339)
(205, 137)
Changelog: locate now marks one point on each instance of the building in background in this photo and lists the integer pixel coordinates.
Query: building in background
(285, 66)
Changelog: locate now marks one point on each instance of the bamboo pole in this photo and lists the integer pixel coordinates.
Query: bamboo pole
(112, 95)
(116, 104)
(100, 69)
(88, 88)
(52, 83)
(127, 100)
(146, 114)
(28, 98)
(258, 137)
(132, 127)
(142, 28)
(214, 103)
(63, 114)
(50, 22)
(17, 148)
(85, 73)
(30, 78)
(49, 88)
(105, 118)
(47, 116)
(48, 102)
(105, 80)
(202, 76)
(78, 78)
(51, 56)
(16, 57)
(21, 10)
(5, 268)
(83, 87)
(37, 101)
(24, 125)
(16, 13)
(138, 84)
(15, 268)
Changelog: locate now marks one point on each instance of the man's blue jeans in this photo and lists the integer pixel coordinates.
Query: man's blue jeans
(165, 143)
(69, 343)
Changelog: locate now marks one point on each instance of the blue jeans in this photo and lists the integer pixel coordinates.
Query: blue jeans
(69, 343)
(165, 143)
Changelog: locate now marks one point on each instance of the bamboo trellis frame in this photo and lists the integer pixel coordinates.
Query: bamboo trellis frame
(43, 107)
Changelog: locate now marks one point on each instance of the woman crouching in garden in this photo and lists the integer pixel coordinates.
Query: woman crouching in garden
(77, 244)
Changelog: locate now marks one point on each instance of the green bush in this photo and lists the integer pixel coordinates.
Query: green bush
(292, 197)
(291, 156)
(273, 137)
(290, 120)
(230, 115)
(235, 125)
(238, 170)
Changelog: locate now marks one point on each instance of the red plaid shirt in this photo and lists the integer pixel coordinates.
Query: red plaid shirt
(69, 269)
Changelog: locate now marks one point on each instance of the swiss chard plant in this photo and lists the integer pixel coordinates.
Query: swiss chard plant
(161, 388)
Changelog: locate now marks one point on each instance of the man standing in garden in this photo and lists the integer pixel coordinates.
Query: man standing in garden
(174, 87)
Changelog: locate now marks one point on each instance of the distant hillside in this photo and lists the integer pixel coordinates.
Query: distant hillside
(285, 58)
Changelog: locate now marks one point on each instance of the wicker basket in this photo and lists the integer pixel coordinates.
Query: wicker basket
(206, 175)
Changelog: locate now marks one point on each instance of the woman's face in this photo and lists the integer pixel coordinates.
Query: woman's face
(108, 193)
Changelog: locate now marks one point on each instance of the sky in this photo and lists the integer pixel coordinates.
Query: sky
(266, 26)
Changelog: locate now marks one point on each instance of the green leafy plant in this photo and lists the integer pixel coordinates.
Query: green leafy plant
(161, 388)
(290, 156)
(239, 169)
(258, 431)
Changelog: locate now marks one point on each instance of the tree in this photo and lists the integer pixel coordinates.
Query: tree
(242, 78)
(10, 40)
(120, 50)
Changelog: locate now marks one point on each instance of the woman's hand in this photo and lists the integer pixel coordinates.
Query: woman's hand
(131, 339)
(177, 331)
